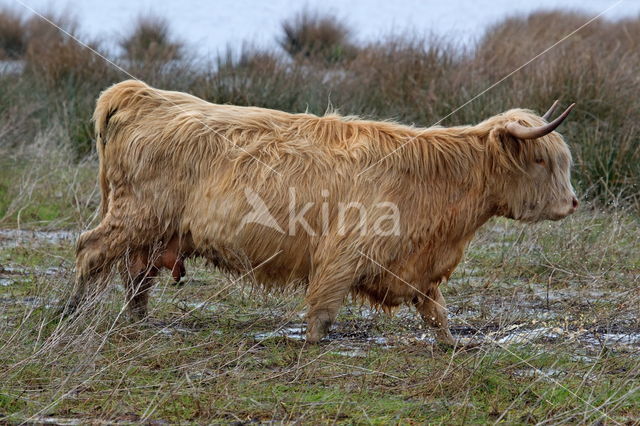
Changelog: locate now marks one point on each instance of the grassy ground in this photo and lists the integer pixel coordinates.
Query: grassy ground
(548, 314)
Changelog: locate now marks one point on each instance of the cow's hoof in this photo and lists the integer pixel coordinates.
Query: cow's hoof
(68, 308)
(445, 346)
(318, 327)
(445, 340)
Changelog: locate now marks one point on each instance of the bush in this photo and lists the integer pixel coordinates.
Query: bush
(316, 37)
(13, 41)
(257, 78)
(151, 40)
(412, 80)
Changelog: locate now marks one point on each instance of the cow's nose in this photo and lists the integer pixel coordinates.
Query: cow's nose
(574, 203)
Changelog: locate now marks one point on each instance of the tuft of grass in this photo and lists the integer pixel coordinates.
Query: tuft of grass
(13, 41)
(317, 37)
(151, 41)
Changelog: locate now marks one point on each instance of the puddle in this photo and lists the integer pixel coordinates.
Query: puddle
(527, 336)
(382, 341)
(612, 339)
(6, 282)
(12, 270)
(11, 275)
(353, 353)
(170, 331)
(208, 306)
(295, 331)
(31, 301)
(124, 420)
(54, 270)
(517, 334)
(535, 372)
(60, 421)
(10, 238)
(11, 67)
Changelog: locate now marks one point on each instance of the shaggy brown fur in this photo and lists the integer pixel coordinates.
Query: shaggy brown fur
(173, 166)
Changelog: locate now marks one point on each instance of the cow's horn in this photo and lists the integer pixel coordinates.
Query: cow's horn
(547, 115)
(521, 132)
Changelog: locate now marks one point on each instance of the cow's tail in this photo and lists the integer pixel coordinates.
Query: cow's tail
(101, 121)
(117, 97)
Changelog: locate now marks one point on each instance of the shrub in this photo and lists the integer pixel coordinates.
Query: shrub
(416, 80)
(316, 37)
(257, 78)
(412, 80)
(13, 41)
(151, 40)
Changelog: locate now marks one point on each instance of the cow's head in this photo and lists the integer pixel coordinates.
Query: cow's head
(531, 166)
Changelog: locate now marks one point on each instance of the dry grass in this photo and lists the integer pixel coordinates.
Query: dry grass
(417, 80)
(550, 308)
(56, 58)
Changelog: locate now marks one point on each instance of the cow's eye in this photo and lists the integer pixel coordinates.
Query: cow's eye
(540, 161)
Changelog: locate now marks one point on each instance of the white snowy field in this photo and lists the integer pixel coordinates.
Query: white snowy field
(210, 26)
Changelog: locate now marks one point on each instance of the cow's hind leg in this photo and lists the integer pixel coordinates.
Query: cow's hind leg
(96, 252)
(138, 275)
(99, 249)
(433, 310)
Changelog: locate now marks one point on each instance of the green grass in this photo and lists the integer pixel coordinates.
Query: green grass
(49, 189)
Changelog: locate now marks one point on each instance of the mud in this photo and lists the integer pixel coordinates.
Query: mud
(10, 238)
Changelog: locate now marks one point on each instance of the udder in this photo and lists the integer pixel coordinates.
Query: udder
(172, 259)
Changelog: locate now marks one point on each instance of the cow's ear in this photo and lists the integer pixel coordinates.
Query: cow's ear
(504, 149)
(511, 144)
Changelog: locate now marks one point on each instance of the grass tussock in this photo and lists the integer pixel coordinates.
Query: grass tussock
(13, 41)
(151, 41)
(316, 37)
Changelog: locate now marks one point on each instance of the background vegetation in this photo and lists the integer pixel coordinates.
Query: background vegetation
(553, 308)
(413, 80)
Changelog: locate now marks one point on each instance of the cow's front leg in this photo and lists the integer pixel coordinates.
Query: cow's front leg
(433, 310)
(325, 296)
